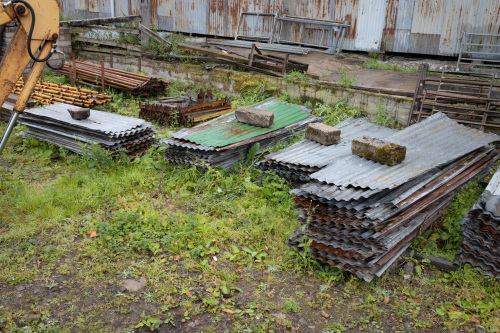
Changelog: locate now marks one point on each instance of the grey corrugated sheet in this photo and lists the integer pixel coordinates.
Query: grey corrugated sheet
(434, 142)
(99, 121)
(313, 154)
(494, 184)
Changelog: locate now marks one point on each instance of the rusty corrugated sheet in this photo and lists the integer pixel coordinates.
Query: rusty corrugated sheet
(192, 16)
(370, 25)
(416, 26)
(347, 10)
(402, 33)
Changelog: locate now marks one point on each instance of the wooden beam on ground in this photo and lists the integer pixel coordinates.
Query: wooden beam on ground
(213, 53)
(125, 46)
(153, 35)
(260, 70)
(102, 21)
(438, 262)
(106, 50)
(212, 115)
(122, 30)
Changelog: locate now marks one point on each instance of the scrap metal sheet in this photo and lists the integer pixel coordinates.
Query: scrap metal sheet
(431, 143)
(313, 154)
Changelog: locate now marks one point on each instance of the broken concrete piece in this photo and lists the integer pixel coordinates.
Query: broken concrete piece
(133, 285)
(323, 134)
(378, 150)
(79, 113)
(255, 117)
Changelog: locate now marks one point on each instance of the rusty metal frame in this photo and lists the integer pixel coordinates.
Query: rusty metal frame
(249, 37)
(333, 26)
(472, 99)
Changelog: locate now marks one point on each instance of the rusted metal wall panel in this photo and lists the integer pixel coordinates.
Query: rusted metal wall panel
(94, 6)
(104, 8)
(161, 13)
(371, 19)
(134, 6)
(426, 26)
(458, 16)
(404, 21)
(347, 10)
(487, 22)
(192, 16)
(122, 8)
(311, 34)
(218, 18)
(417, 26)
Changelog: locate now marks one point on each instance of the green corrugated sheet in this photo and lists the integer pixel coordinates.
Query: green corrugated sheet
(285, 114)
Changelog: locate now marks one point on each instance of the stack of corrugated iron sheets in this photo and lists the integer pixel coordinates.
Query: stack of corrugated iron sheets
(224, 141)
(299, 161)
(359, 215)
(54, 125)
(481, 229)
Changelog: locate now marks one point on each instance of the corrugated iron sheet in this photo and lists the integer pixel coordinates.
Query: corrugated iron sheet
(313, 154)
(416, 26)
(285, 114)
(494, 185)
(481, 228)
(434, 141)
(181, 151)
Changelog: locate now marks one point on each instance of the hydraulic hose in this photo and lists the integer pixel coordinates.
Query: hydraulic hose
(30, 34)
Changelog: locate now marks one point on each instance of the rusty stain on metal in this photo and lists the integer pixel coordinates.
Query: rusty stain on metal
(416, 26)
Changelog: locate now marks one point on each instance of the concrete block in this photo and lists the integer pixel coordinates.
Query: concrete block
(378, 150)
(255, 117)
(324, 134)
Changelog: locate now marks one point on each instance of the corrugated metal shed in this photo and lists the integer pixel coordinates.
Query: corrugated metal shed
(416, 26)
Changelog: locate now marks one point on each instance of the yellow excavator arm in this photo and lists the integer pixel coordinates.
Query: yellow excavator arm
(38, 30)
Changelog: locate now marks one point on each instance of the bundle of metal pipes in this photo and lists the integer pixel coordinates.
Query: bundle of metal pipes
(133, 83)
(49, 93)
(360, 215)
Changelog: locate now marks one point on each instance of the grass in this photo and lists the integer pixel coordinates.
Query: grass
(210, 244)
(374, 64)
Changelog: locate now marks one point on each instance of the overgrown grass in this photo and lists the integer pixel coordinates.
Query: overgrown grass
(444, 240)
(211, 244)
(374, 64)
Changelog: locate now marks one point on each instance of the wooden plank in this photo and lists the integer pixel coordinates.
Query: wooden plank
(438, 262)
(125, 46)
(212, 115)
(154, 36)
(101, 21)
(233, 59)
(102, 27)
(212, 53)
(105, 50)
(260, 70)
